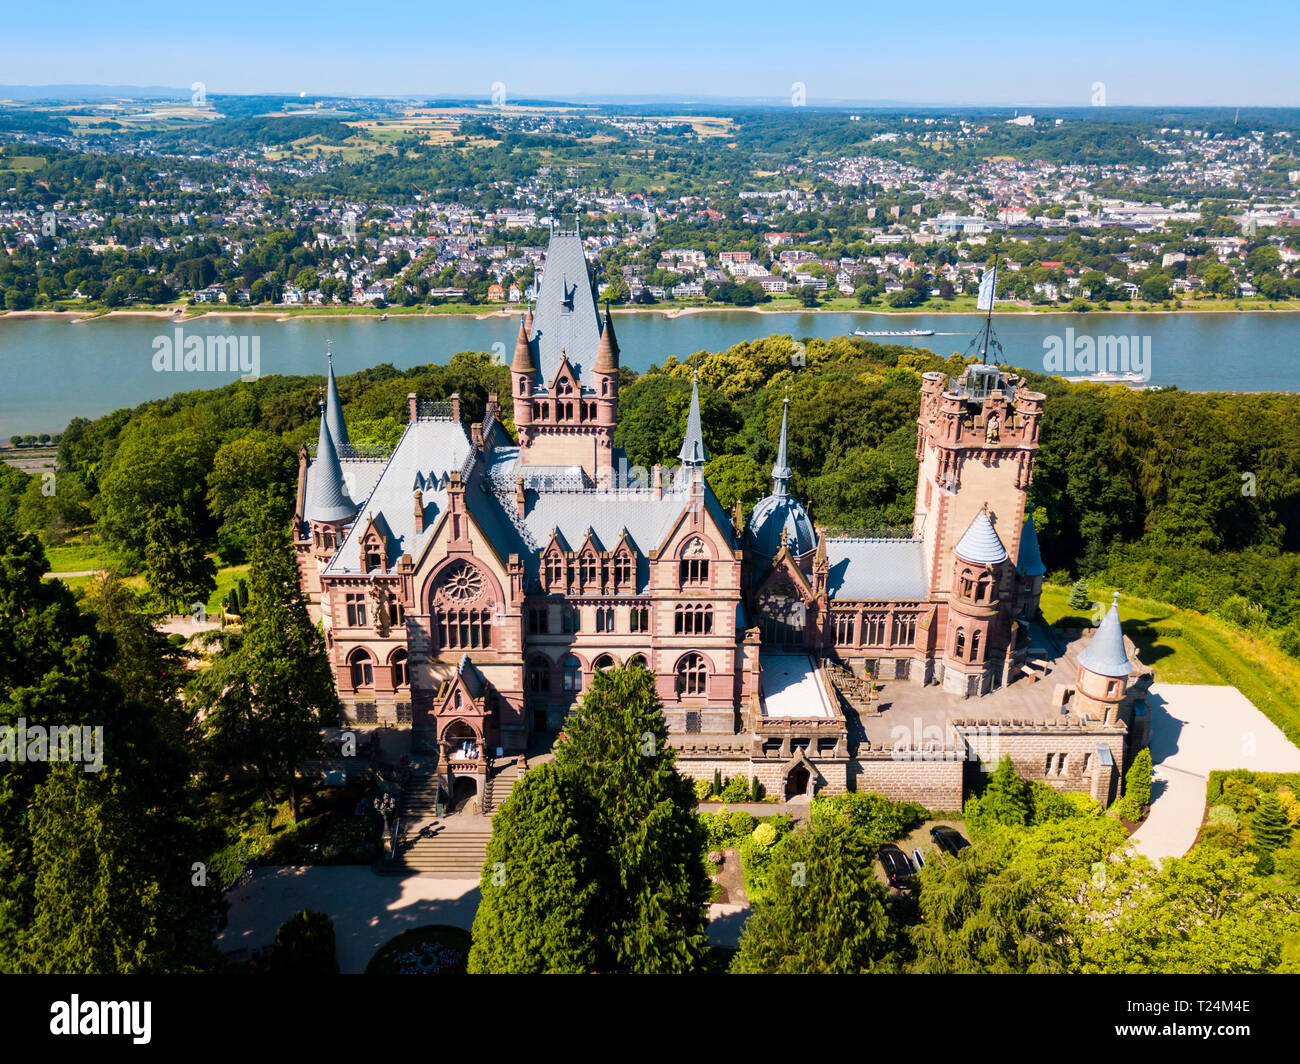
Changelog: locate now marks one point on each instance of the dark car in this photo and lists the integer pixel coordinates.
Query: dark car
(949, 840)
(898, 869)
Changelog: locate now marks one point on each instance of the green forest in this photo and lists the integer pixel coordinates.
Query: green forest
(1192, 499)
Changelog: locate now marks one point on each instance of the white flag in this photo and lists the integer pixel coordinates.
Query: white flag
(988, 284)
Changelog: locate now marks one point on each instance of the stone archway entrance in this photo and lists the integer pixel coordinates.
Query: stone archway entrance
(797, 780)
(464, 790)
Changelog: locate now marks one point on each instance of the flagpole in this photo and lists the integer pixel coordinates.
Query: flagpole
(988, 320)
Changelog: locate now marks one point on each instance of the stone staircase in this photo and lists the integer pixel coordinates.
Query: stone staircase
(453, 848)
(501, 781)
(419, 797)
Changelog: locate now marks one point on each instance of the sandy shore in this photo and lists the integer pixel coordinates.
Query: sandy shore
(278, 314)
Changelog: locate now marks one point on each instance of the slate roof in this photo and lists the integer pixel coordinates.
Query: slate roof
(327, 497)
(429, 448)
(1030, 562)
(334, 412)
(693, 452)
(980, 543)
(876, 570)
(1105, 653)
(565, 321)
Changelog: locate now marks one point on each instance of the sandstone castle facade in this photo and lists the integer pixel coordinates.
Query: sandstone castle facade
(469, 585)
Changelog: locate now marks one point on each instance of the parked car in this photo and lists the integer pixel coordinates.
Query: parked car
(949, 840)
(898, 869)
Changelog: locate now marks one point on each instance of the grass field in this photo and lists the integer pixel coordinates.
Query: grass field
(1187, 647)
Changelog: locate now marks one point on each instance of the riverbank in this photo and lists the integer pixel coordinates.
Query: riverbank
(964, 306)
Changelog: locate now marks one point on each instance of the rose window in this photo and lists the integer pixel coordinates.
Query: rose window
(463, 582)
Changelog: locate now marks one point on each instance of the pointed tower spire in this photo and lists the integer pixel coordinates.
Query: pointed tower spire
(1105, 653)
(327, 495)
(781, 470)
(693, 452)
(334, 409)
(523, 361)
(607, 352)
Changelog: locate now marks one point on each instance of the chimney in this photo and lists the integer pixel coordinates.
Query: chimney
(419, 510)
(657, 481)
(493, 406)
(520, 500)
(411, 405)
(455, 406)
(476, 434)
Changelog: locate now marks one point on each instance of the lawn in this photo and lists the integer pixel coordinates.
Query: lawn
(1187, 647)
(438, 949)
(77, 557)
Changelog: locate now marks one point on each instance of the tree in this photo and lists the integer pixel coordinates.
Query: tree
(1080, 597)
(1137, 780)
(981, 913)
(1269, 825)
(538, 910)
(824, 912)
(1206, 913)
(737, 477)
(266, 696)
(176, 564)
(644, 842)
(304, 945)
(1005, 801)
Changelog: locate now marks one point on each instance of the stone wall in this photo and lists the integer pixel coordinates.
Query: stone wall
(936, 784)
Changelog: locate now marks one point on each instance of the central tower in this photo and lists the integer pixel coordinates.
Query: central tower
(564, 376)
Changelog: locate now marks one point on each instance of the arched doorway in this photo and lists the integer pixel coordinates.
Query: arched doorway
(796, 781)
(464, 790)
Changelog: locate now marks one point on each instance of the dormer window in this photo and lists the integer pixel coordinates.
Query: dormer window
(373, 560)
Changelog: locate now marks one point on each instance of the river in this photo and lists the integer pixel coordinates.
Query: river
(52, 370)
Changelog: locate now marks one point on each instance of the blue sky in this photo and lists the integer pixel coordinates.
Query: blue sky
(1011, 52)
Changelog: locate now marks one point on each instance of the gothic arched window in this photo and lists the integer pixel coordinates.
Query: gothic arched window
(692, 675)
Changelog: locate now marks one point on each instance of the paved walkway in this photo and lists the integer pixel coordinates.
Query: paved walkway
(1196, 728)
(369, 910)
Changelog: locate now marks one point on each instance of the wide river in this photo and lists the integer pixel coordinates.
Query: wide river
(52, 369)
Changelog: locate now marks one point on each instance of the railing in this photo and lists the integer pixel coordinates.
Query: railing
(379, 452)
(433, 408)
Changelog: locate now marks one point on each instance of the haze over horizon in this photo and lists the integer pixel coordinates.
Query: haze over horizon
(1194, 54)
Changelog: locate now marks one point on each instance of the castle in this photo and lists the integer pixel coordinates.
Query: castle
(470, 585)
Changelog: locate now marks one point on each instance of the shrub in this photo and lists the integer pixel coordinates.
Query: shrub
(1085, 805)
(736, 790)
(764, 835)
(1137, 780)
(1290, 805)
(304, 945)
(1240, 794)
(717, 781)
(756, 790)
(741, 823)
(1223, 814)
(1269, 825)
(703, 790)
(1286, 863)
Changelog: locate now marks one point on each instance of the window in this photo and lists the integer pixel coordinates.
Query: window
(396, 611)
(572, 674)
(554, 571)
(961, 642)
(623, 573)
(373, 560)
(692, 676)
(571, 619)
(873, 629)
(537, 620)
(605, 661)
(974, 646)
(639, 619)
(363, 674)
(398, 665)
(464, 629)
(604, 619)
(844, 625)
(588, 570)
(539, 676)
(904, 629)
(1062, 762)
(356, 610)
(693, 620)
(693, 571)
(1087, 758)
